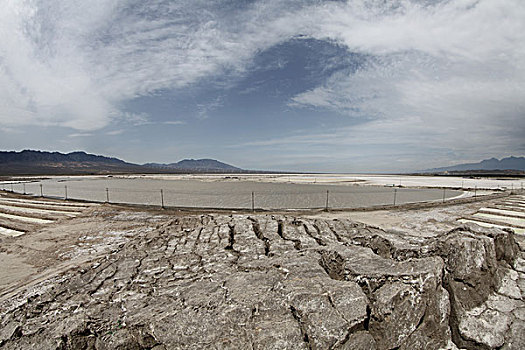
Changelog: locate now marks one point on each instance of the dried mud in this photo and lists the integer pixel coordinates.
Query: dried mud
(116, 278)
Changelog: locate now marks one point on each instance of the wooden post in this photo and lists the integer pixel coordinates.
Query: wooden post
(65, 190)
(327, 194)
(395, 195)
(107, 195)
(41, 192)
(12, 187)
(162, 199)
(253, 201)
(475, 190)
(444, 189)
(24, 187)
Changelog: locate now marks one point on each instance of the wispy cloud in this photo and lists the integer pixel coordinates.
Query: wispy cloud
(135, 119)
(115, 132)
(174, 122)
(80, 134)
(444, 72)
(450, 71)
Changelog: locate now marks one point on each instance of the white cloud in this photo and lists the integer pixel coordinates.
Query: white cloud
(451, 71)
(135, 119)
(174, 122)
(115, 132)
(73, 63)
(80, 134)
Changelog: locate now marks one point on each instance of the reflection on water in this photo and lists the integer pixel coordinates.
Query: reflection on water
(227, 194)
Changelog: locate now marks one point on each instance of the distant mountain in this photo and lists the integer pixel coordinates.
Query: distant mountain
(197, 165)
(510, 163)
(29, 156)
(29, 162)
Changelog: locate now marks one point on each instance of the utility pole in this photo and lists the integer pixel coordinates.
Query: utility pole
(395, 195)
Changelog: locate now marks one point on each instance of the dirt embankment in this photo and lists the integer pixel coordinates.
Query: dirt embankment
(135, 280)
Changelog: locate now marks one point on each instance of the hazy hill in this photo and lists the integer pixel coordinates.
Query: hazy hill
(510, 163)
(198, 165)
(30, 156)
(29, 162)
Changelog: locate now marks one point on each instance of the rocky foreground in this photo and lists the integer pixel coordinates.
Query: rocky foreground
(277, 282)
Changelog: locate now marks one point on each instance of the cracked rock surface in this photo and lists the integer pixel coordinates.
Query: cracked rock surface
(279, 282)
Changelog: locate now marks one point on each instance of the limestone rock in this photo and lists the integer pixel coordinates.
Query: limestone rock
(278, 282)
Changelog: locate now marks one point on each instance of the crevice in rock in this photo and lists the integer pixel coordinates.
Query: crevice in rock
(333, 231)
(355, 328)
(258, 232)
(197, 239)
(316, 238)
(453, 321)
(296, 315)
(280, 232)
(366, 323)
(315, 224)
(379, 245)
(104, 279)
(231, 238)
(333, 264)
(231, 242)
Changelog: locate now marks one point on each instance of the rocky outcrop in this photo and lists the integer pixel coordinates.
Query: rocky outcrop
(277, 282)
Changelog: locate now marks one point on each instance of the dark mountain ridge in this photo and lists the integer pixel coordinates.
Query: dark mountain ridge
(30, 156)
(197, 165)
(30, 162)
(509, 163)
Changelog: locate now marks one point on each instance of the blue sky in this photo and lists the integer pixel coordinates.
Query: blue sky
(336, 86)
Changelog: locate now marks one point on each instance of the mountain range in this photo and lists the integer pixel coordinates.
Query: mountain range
(509, 163)
(29, 162)
(201, 165)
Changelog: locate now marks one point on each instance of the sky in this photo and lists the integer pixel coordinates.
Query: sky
(298, 85)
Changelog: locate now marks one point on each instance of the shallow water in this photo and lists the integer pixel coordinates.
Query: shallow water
(227, 194)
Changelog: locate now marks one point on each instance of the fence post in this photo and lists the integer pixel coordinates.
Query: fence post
(107, 195)
(41, 192)
(444, 189)
(327, 194)
(253, 201)
(65, 190)
(395, 195)
(162, 199)
(24, 184)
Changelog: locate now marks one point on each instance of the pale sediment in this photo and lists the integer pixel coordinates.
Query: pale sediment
(273, 282)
